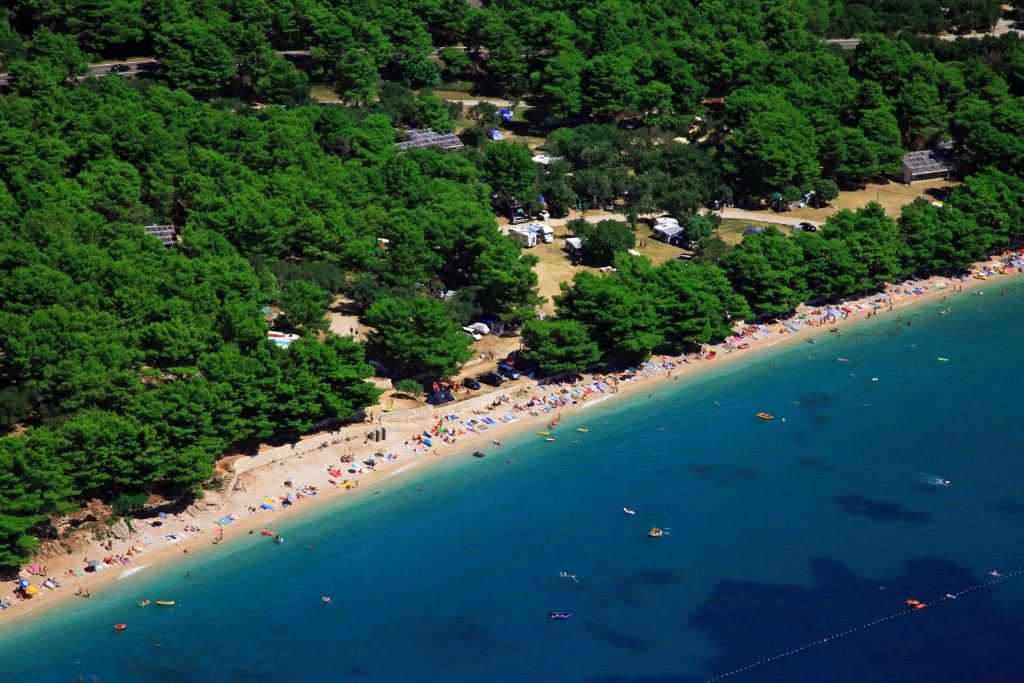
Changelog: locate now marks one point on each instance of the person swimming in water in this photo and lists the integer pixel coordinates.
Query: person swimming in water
(567, 575)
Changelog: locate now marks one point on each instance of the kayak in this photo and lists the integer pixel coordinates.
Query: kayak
(120, 627)
(544, 433)
(559, 615)
(629, 511)
(165, 603)
(764, 416)
(582, 429)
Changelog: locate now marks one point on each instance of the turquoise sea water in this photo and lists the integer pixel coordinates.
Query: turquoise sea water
(780, 534)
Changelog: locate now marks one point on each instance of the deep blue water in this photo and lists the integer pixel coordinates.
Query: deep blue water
(781, 533)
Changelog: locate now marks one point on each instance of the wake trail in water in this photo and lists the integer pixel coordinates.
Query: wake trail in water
(835, 636)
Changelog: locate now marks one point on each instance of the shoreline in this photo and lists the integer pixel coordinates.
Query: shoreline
(311, 467)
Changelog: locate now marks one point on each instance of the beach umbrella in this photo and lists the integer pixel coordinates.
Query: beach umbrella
(90, 568)
(31, 590)
(23, 584)
(157, 523)
(163, 515)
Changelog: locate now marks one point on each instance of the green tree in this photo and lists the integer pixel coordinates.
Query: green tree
(698, 228)
(415, 337)
(304, 305)
(504, 279)
(765, 269)
(775, 149)
(32, 486)
(430, 112)
(609, 86)
(558, 346)
(561, 83)
(509, 169)
(871, 238)
(603, 241)
(623, 322)
(322, 380)
(920, 112)
(193, 57)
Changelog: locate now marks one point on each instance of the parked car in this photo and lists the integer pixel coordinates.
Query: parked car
(492, 378)
(472, 333)
(120, 68)
(471, 383)
(508, 370)
(807, 227)
(609, 206)
(542, 215)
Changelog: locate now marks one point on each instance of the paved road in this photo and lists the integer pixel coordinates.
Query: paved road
(845, 43)
(1002, 27)
(102, 69)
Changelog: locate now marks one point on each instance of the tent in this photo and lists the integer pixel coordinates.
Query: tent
(666, 232)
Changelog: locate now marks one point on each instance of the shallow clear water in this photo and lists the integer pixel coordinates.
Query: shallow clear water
(780, 534)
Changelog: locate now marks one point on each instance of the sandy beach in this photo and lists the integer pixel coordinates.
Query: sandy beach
(269, 495)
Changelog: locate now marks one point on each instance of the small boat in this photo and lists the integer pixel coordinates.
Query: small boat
(143, 603)
(478, 454)
(655, 532)
(165, 603)
(994, 573)
(120, 627)
(911, 602)
(629, 511)
(559, 615)
(326, 598)
(549, 439)
(950, 596)
(582, 429)
(765, 416)
(544, 433)
(268, 532)
(942, 360)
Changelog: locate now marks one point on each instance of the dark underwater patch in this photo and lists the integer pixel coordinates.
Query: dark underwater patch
(878, 510)
(723, 474)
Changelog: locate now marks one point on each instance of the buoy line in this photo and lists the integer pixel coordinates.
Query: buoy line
(836, 636)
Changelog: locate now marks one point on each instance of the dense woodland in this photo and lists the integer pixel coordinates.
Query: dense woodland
(127, 368)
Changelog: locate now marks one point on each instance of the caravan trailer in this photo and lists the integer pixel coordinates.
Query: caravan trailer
(523, 236)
